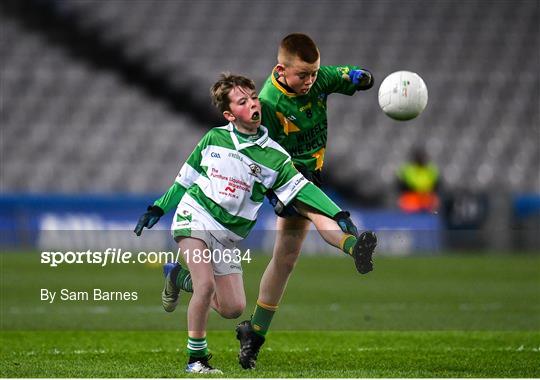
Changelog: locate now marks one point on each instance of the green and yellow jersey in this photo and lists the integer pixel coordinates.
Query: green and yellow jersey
(299, 123)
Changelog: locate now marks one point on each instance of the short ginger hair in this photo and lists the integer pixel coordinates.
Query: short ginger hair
(297, 45)
(219, 92)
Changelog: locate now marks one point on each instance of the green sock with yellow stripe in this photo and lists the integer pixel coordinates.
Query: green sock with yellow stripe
(347, 243)
(262, 317)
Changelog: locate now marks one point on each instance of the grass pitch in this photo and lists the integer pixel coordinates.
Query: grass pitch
(287, 354)
(450, 316)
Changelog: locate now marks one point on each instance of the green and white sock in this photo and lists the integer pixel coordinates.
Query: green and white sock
(183, 280)
(197, 347)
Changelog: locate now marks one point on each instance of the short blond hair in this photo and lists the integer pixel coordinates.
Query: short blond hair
(297, 45)
(219, 92)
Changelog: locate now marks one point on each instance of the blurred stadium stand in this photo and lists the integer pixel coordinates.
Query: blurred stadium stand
(73, 124)
(69, 127)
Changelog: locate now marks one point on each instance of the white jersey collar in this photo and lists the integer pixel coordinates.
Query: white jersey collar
(261, 141)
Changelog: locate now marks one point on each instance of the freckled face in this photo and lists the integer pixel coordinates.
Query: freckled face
(245, 108)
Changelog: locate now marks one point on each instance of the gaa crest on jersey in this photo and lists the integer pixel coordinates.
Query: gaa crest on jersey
(255, 170)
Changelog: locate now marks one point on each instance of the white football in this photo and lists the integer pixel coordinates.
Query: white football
(403, 95)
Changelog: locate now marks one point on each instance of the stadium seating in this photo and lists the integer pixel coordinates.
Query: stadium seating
(86, 130)
(70, 128)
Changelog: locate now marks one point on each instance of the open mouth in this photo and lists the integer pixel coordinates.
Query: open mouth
(256, 116)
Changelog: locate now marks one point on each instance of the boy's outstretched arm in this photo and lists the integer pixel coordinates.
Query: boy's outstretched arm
(345, 80)
(313, 200)
(186, 177)
(331, 222)
(336, 227)
(164, 204)
(285, 194)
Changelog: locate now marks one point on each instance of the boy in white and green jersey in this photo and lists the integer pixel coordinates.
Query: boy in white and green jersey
(217, 195)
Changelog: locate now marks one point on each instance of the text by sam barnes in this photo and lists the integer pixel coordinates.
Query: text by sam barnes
(67, 295)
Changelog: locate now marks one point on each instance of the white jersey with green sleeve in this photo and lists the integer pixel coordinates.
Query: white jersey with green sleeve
(227, 176)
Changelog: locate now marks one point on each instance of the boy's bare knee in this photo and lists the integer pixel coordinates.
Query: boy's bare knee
(233, 310)
(233, 313)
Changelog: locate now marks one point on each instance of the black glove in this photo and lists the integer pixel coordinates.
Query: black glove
(343, 219)
(362, 79)
(148, 219)
(279, 208)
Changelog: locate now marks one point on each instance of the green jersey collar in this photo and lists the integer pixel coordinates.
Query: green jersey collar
(280, 86)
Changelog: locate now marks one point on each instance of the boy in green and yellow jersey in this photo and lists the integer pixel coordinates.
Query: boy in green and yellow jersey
(293, 103)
